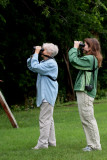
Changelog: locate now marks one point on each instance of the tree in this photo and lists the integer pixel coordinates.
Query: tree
(72, 20)
(26, 23)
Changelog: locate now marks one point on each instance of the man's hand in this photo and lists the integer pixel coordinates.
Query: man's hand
(37, 49)
(1, 81)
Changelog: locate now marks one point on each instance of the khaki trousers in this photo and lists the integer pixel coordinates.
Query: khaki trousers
(46, 124)
(86, 111)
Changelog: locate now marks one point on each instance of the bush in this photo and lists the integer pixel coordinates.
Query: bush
(101, 94)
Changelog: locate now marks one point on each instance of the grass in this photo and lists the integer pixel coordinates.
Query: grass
(16, 144)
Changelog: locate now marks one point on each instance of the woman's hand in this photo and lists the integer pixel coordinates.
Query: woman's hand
(76, 44)
(37, 49)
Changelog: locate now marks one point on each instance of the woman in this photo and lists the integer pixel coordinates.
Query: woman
(47, 89)
(85, 98)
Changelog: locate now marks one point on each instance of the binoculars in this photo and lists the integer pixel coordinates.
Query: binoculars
(40, 52)
(81, 45)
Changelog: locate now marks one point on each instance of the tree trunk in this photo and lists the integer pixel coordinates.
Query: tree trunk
(69, 84)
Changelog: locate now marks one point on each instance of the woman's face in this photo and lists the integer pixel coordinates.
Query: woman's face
(45, 53)
(86, 48)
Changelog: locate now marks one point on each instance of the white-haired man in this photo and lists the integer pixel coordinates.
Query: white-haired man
(47, 89)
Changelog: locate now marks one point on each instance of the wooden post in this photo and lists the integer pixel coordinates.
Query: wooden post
(8, 111)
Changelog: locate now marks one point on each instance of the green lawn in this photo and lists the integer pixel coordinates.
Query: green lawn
(16, 144)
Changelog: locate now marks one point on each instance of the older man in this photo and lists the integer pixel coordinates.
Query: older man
(47, 89)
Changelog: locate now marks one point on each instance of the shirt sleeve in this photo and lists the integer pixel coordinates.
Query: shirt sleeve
(29, 64)
(81, 63)
(42, 68)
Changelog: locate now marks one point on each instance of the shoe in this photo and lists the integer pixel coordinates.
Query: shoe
(87, 149)
(52, 145)
(99, 149)
(38, 147)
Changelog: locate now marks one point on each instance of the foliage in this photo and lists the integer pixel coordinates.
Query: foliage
(4, 3)
(26, 23)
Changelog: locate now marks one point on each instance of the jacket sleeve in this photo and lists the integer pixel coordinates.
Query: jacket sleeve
(81, 63)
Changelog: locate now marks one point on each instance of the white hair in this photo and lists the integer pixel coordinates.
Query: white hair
(51, 48)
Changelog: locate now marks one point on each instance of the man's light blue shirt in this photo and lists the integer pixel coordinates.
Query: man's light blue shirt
(46, 88)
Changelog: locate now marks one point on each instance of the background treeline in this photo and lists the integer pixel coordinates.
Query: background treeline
(25, 23)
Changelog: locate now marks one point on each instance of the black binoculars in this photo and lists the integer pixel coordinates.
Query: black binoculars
(40, 52)
(81, 45)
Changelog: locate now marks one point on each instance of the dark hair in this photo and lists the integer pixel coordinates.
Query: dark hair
(95, 49)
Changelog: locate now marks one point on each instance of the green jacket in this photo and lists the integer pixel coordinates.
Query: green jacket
(84, 63)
